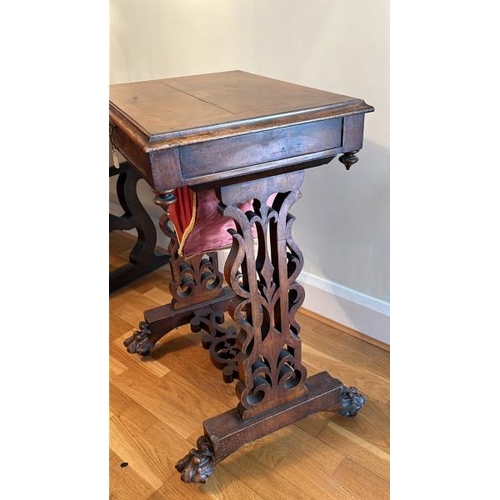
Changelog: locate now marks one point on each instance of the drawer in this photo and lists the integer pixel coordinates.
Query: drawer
(245, 150)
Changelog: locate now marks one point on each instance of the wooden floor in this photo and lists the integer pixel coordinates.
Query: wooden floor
(158, 403)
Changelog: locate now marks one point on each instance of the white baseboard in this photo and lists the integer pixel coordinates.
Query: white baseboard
(355, 310)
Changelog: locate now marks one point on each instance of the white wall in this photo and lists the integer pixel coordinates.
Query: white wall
(336, 45)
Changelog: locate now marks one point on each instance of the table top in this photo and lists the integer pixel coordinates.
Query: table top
(160, 115)
(173, 109)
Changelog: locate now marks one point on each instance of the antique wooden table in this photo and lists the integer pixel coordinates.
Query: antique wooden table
(245, 139)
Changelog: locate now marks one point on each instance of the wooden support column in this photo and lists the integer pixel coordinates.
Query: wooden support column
(272, 389)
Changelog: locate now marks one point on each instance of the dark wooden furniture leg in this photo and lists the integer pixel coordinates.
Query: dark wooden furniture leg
(196, 288)
(264, 352)
(143, 257)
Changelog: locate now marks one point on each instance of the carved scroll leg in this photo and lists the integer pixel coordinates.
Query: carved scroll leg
(219, 340)
(195, 283)
(161, 320)
(143, 340)
(273, 388)
(144, 257)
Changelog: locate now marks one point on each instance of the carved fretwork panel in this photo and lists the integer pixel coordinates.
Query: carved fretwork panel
(219, 339)
(263, 273)
(194, 280)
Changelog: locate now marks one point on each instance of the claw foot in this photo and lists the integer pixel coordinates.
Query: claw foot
(138, 342)
(197, 466)
(352, 402)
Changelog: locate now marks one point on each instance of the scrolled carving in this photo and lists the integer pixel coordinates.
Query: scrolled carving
(219, 340)
(194, 280)
(263, 278)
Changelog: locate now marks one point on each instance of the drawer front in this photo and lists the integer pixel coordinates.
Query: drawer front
(231, 153)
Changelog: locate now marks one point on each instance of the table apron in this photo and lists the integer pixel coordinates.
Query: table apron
(222, 155)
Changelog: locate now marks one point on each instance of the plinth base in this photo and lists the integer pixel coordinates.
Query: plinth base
(227, 432)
